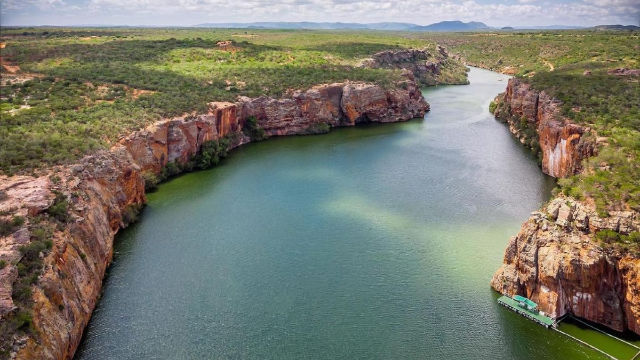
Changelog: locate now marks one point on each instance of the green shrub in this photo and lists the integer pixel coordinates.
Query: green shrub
(60, 207)
(608, 236)
(151, 181)
(253, 130)
(492, 107)
(130, 214)
(9, 226)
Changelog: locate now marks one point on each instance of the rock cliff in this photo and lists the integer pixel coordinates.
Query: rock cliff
(429, 68)
(102, 193)
(535, 118)
(555, 261)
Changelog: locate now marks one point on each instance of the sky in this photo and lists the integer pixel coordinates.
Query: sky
(423, 12)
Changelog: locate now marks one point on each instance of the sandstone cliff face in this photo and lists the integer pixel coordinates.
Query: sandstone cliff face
(555, 261)
(339, 104)
(563, 144)
(104, 189)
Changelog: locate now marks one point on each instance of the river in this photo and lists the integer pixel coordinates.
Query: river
(374, 242)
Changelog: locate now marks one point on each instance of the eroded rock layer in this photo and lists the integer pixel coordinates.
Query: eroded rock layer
(562, 143)
(104, 191)
(555, 261)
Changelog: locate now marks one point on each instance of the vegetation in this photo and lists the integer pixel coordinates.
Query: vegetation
(7, 226)
(78, 90)
(253, 130)
(29, 269)
(630, 242)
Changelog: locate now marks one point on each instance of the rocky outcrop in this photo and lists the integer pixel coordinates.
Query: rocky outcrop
(535, 118)
(425, 66)
(555, 261)
(340, 104)
(104, 191)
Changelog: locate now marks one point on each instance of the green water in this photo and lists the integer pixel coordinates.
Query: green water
(375, 242)
(623, 350)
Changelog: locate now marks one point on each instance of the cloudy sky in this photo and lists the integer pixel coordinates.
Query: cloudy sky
(190, 12)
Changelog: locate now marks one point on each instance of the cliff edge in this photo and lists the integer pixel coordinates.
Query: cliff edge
(560, 258)
(58, 229)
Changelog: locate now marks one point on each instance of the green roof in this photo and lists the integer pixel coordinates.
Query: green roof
(515, 305)
(527, 302)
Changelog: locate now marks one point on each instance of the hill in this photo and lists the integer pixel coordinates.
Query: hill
(397, 26)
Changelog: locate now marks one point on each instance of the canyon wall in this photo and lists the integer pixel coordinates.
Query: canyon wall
(104, 191)
(429, 68)
(562, 143)
(555, 259)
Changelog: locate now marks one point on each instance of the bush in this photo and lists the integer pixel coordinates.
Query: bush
(9, 226)
(253, 130)
(130, 214)
(492, 107)
(607, 236)
(151, 181)
(60, 207)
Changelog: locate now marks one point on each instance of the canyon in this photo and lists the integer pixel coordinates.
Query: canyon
(106, 189)
(555, 259)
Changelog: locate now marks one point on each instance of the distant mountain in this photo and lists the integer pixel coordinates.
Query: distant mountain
(397, 26)
(549, 27)
(617, 27)
(453, 26)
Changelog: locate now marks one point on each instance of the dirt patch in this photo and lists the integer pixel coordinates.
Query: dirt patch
(550, 65)
(227, 45)
(136, 93)
(9, 66)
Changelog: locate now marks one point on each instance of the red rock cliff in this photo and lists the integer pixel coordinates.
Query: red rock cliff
(563, 144)
(555, 261)
(104, 189)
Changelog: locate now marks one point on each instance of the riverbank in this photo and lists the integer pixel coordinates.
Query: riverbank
(378, 240)
(101, 194)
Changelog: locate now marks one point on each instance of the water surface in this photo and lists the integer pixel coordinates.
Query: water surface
(374, 242)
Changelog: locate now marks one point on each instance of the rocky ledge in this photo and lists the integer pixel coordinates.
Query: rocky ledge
(535, 119)
(101, 194)
(555, 261)
(429, 68)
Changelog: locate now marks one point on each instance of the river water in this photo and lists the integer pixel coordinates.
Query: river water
(375, 242)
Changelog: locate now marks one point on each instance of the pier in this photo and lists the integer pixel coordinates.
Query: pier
(527, 310)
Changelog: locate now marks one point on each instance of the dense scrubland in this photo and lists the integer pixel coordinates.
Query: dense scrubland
(90, 86)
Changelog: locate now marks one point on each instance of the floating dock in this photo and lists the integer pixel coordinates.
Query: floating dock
(527, 309)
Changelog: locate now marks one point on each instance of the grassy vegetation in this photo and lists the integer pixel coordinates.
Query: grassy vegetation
(94, 85)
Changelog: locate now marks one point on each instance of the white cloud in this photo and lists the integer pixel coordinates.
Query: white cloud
(188, 12)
